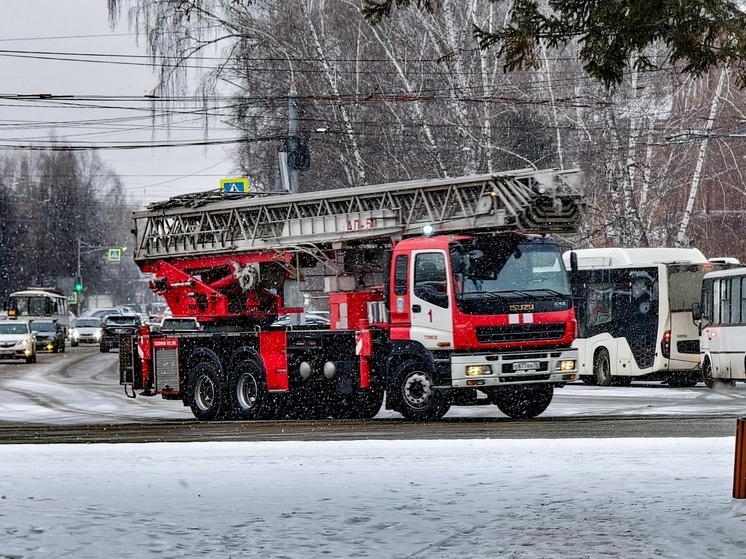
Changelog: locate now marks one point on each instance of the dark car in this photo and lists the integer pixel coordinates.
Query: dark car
(116, 325)
(50, 336)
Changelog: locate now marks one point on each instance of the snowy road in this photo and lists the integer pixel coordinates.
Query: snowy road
(80, 388)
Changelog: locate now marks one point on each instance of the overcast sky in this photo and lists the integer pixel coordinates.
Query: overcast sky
(74, 32)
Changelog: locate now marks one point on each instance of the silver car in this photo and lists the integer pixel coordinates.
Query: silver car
(17, 341)
(85, 330)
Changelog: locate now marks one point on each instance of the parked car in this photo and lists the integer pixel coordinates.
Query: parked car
(116, 325)
(50, 335)
(85, 330)
(17, 341)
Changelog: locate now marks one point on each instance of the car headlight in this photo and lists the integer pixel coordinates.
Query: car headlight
(76, 334)
(97, 335)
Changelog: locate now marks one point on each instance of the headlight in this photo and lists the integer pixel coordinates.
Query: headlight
(97, 335)
(567, 365)
(76, 334)
(478, 370)
(25, 342)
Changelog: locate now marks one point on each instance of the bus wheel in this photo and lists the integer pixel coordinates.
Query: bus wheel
(710, 381)
(524, 401)
(683, 380)
(247, 389)
(414, 393)
(205, 391)
(602, 367)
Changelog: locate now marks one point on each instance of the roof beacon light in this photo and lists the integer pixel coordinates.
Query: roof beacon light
(428, 230)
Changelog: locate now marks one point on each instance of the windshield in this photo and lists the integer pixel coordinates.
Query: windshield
(14, 328)
(498, 267)
(44, 326)
(685, 284)
(87, 323)
(30, 306)
(122, 320)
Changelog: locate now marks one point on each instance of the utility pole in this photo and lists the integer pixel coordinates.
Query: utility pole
(293, 143)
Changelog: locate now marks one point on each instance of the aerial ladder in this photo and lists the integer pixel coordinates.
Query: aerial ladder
(228, 239)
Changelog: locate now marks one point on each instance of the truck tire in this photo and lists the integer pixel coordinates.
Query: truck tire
(247, 391)
(523, 401)
(602, 367)
(205, 392)
(414, 394)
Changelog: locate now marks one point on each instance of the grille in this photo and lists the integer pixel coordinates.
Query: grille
(520, 332)
(688, 346)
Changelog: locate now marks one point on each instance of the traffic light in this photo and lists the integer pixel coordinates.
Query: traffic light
(78, 284)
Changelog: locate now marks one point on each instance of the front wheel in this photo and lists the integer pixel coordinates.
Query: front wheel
(414, 393)
(523, 401)
(602, 368)
(247, 389)
(73, 343)
(205, 391)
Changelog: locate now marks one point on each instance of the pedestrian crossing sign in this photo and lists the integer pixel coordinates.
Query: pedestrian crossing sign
(234, 186)
(115, 255)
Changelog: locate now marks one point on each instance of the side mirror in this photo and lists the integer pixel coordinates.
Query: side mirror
(574, 261)
(696, 311)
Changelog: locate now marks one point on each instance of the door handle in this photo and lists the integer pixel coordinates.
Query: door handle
(416, 308)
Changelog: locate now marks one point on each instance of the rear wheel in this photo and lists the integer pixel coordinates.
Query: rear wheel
(710, 381)
(602, 367)
(524, 401)
(205, 392)
(414, 393)
(247, 389)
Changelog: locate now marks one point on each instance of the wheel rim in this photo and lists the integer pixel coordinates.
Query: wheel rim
(247, 391)
(417, 390)
(204, 393)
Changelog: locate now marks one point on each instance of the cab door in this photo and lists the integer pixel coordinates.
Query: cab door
(431, 302)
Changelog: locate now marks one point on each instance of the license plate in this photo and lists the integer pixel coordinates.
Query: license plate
(120, 331)
(526, 366)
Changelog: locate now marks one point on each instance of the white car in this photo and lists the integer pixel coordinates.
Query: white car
(17, 341)
(85, 330)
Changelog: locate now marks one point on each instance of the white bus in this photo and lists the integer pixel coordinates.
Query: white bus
(722, 320)
(634, 313)
(37, 303)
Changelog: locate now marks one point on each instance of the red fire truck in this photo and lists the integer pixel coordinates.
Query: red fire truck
(439, 292)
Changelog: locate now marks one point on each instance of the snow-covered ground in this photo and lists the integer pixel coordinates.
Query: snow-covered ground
(538, 499)
(532, 499)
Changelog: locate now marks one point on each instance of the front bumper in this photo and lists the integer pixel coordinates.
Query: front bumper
(503, 369)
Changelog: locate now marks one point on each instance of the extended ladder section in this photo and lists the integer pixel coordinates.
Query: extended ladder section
(544, 201)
